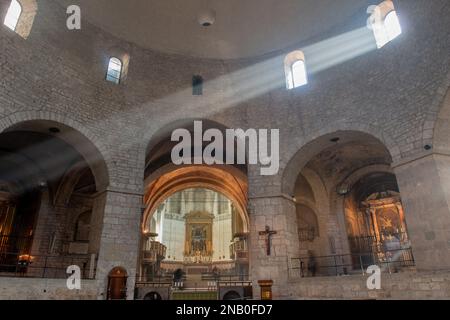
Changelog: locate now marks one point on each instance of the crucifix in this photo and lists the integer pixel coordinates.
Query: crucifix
(268, 234)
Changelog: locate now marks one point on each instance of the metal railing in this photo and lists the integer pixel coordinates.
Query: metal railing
(13, 264)
(157, 279)
(18, 260)
(383, 242)
(390, 261)
(224, 277)
(15, 244)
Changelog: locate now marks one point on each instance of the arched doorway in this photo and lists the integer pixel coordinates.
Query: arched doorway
(152, 296)
(50, 174)
(232, 295)
(117, 284)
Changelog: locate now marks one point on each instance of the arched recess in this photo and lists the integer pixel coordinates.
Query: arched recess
(327, 139)
(158, 150)
(214, 194)
(337, 164)
(228, 181)
(56, 172)
(163, 178)
(312, 208)
(72, 132)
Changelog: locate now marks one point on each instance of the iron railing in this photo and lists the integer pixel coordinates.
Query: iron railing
(45, 266)
(383, 242)
(15, 244)
(158, 279)
(390, 261)
(17, 260)
(224, 277)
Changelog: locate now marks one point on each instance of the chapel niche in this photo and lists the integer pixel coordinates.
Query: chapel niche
(375, 219)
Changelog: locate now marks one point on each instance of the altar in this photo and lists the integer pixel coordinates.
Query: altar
(198, 243)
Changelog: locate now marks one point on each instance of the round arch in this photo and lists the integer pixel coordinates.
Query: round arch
(160, 134)
(228, 181)
(321, 142)
(67, 132)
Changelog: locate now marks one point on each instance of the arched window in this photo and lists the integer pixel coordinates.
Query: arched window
(114, 70)
(385, 24)
(392, 25)
(295, 69)
(299, 73)
(13, 15)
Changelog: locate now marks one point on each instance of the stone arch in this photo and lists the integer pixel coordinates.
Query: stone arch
(351, 179)
(232, 295)
(318, 188)
(153, 295)
(72, 132)
(172, 179)
(320, 207)
(156, 136)
(323, 139)
(161, 174)
(165, 129)
(66, 187)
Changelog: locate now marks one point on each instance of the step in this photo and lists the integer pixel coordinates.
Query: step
(194, 295)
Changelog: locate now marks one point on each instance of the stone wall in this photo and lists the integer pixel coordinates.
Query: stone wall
(399, 286)
(393, 94)
(45, 289)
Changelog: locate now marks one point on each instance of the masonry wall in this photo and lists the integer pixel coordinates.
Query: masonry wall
(45, 289)
(58, 75)
(399, 286)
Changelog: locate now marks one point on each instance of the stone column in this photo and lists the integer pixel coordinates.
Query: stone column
(279, 214)
(120, 236)
(425, 191)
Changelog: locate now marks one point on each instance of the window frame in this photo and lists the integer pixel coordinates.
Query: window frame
(17, 19)
(290, 61)
(381, 33)
(304, 74)
(112, 78)
(388, 35)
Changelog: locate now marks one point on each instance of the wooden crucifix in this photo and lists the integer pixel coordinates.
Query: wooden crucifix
(268, 234)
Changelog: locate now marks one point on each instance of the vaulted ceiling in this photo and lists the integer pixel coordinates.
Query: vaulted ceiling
(243, 28)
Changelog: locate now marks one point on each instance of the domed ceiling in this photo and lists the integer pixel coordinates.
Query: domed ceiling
(242, 28)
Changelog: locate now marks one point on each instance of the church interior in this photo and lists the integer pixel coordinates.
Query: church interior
(92, 93)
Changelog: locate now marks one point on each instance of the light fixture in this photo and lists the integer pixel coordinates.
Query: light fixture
(206, 16)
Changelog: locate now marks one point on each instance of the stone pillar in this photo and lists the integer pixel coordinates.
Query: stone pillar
(279, 214)
(425, 191)
(120, 236)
